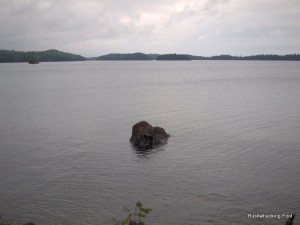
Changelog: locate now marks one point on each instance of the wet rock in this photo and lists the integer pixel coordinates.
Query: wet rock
(145, 136)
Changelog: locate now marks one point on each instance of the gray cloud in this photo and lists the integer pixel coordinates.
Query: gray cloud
(202, 27)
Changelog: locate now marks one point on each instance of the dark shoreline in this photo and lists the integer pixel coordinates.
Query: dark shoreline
(11, 56)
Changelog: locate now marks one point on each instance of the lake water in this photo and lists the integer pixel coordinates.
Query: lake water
(234, 150)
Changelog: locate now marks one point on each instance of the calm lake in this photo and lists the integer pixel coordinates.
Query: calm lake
(234, 150)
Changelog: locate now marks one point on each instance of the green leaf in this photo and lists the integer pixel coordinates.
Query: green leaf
(129, 216)
(127, 219)
(141, 223)
(139, 205)
(146, 210)
(141, 215)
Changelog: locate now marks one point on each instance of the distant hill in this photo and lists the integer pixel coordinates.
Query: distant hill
(290, 57)
(142, 56)
(173, 57)
(56, 56)
(195, 57)
(42, 56)
(225, 57)
(118, 56)
(153, 56)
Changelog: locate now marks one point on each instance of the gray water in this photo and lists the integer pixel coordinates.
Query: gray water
(234, 150)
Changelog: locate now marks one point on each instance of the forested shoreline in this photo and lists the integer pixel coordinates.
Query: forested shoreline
(7, 56)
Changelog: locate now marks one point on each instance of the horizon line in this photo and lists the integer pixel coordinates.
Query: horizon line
(207, 56)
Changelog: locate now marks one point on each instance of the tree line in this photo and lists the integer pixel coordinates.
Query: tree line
(52, 55)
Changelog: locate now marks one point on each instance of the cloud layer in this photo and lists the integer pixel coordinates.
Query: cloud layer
(201, 27)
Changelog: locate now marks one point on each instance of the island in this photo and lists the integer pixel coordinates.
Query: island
(173, 57)
(128, 56)
(33, 57)
(187, 57)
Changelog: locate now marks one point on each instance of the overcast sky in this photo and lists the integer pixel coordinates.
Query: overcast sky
(200, 27)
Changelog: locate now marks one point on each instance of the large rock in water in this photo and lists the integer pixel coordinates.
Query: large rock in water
(146, 136)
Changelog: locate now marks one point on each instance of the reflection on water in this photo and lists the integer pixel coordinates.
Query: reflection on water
(148, 152)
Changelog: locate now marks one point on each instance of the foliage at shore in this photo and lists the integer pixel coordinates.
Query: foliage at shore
(134, 217)
(7, 56)
(173, 57)
(117, 56)
(142, 56)
(290, 57)
(52, 55)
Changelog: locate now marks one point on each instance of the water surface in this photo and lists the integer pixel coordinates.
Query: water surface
(65, 156)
